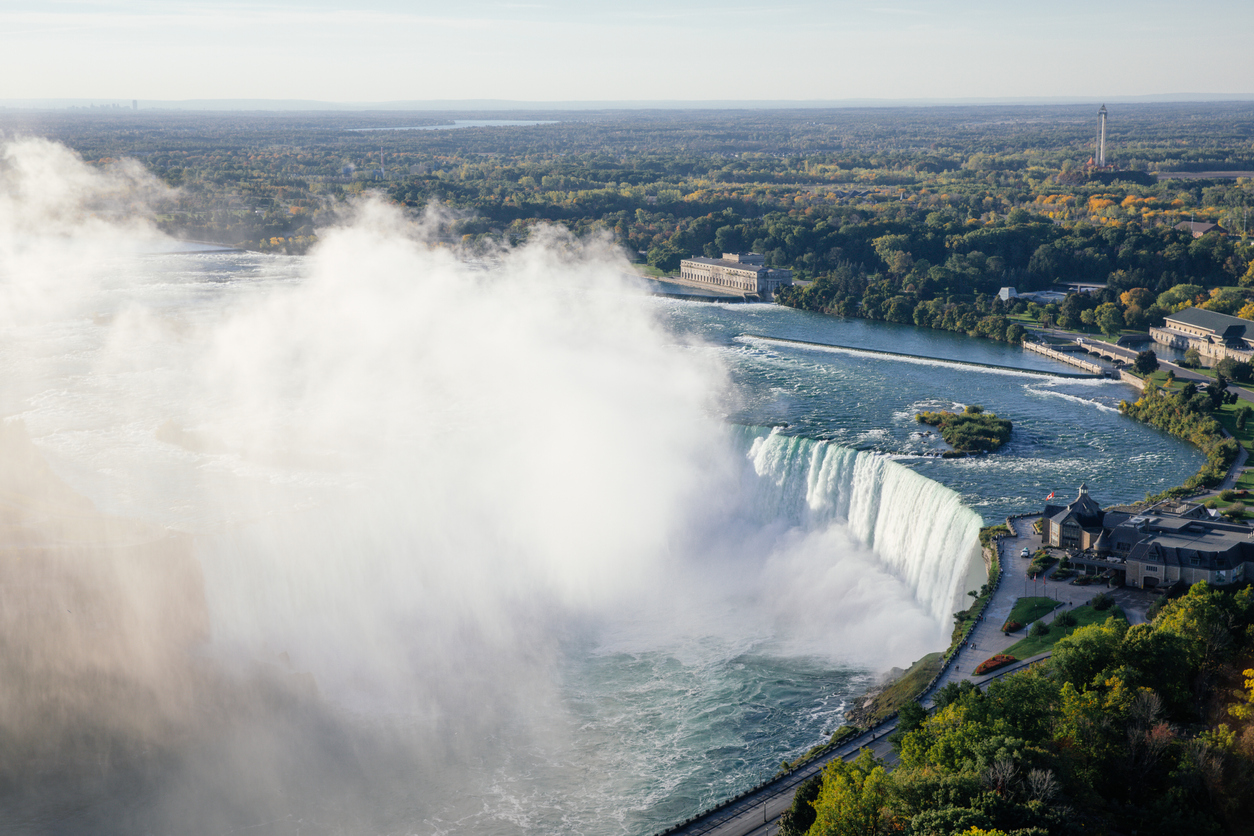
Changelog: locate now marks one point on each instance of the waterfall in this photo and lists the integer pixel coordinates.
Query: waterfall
(919, 529)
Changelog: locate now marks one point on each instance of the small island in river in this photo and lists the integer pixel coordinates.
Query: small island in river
(971, 431)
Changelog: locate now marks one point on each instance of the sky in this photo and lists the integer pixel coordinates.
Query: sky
(592, 50)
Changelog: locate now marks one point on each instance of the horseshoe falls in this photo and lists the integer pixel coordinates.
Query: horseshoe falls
(918, 528)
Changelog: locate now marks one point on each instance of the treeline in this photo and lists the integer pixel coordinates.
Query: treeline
(1186, 414)
(810, 188)
(1148, 274)
(1143, 729)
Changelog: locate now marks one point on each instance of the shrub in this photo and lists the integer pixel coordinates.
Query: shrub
(1012, 626)
(992, 663)
(1039, 628)
(1228, 495)
(1102, 601)
(1040, 562)
(990, 531)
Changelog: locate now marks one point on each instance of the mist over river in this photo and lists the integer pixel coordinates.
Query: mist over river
(497, 547)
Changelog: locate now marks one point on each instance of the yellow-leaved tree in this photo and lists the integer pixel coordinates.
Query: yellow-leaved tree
(1244, 710)
(852, 799)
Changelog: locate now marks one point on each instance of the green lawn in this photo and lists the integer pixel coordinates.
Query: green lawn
(1246, 480)
(1160, 378)
(1222, 504)
(1033, 645)
(1096, 334)
(1027, 610)
(1227, 416)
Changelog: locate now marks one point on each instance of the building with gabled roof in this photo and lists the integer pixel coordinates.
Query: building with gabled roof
(1199, 228)
(1165, 543)
(1074, 526)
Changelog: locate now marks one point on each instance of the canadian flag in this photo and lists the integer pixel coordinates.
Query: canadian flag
(1051, 495)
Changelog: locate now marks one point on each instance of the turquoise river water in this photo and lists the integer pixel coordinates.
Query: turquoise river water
(535, 609)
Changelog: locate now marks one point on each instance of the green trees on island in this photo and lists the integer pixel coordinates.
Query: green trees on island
(971, 431)
(1144, 728)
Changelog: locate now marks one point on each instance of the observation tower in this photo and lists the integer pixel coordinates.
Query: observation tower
(1100, 157)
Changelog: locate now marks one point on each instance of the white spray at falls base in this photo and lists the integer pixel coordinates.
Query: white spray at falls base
(919, 529)
(447, 515)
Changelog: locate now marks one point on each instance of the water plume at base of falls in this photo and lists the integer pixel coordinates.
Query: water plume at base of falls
(422, 490)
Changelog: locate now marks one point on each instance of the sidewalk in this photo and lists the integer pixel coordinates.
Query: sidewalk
(987, 638)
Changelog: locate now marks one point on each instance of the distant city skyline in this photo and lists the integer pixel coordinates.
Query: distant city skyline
(690, 50)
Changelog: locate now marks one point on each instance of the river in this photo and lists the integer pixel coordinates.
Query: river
(540, 588)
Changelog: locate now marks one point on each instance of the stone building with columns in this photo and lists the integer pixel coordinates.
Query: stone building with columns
(744, 273)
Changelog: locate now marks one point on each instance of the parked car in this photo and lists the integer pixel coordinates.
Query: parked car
(1025, 552)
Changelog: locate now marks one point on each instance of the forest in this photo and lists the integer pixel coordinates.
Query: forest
(1127, 729)
(913, 215)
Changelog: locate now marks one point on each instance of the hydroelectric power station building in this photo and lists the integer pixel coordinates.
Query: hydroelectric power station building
(745, 273)
(1212, 334)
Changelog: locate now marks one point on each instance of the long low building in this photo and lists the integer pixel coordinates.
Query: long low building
(745, 273)
(1211, 334)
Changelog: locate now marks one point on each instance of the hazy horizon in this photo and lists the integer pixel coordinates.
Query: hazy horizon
(513, 105)
(560, 51)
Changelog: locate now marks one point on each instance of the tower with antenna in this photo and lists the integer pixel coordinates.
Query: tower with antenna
(1100, 157)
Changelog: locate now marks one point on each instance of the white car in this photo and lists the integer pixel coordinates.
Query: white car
(1025, 552)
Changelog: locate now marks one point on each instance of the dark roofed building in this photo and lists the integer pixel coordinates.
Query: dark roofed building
(1200, 228)
(1211, 333)
(1074, 526)
(1168, 542)
(1187, 543)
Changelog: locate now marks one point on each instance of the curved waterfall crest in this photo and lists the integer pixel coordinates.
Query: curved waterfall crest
(918, 528)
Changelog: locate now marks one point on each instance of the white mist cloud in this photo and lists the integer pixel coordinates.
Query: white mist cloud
(416, 480)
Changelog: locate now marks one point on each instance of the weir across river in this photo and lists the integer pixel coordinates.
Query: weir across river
(881, 352)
